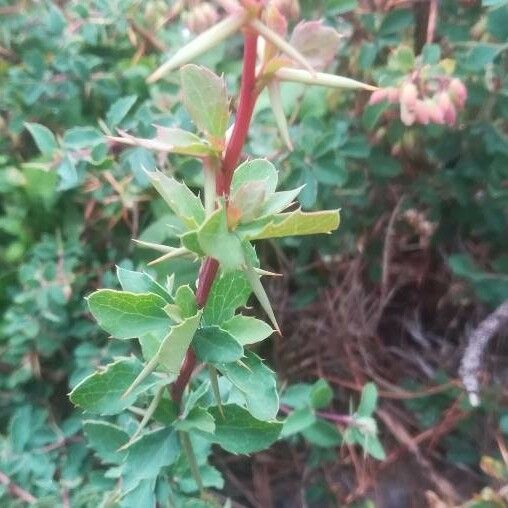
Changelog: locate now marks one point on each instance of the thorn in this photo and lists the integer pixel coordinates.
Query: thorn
(155, 246)
(278, 111)
(147, 370)
(267, 273)
(177, 252)
(201, 44)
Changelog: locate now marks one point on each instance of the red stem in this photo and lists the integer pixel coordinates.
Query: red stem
(209, 267)
(246, 103)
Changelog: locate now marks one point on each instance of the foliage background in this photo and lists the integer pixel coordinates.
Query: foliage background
(386, 299)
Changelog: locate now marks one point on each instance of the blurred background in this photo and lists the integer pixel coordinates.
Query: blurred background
(420, 259)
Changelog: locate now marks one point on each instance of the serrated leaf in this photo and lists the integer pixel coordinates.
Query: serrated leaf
(205, 98)
(105, 439)
(128, 315)
(257, 384)
(218, 242)
(184, 203)
(294, 224)
(368, 401)
(229, 291)
(148, 454)
(119, 109)
(101, 392)
(43, 138)
(247, 329)
(239, 432)
(253, 171)
(212, 344)
(140, 282)
(279, 201)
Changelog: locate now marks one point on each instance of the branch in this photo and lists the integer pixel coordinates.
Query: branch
(210, 266)
(475, 350)
(16, 490)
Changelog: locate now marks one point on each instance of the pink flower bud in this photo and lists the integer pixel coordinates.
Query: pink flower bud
(407, 115)
(458, 92)
(378, 96)
(422, 112)
(408, 95)
(201, 17)
(435, 113)
(289, 8)
(393, 94)
(445, 104)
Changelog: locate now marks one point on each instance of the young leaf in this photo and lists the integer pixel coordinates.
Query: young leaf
(317, 42)
(279, 201)
(239, 432)
(129, 315)
(43, 137)
(368, 401)
(298, 421)
(218, 242)
(257, 384)
(212, 344)
(322, 434)
(105, 439)
(184, 203)
(229, 291)
(140, 282)
(253, 171)
(197, 419)
(246, 329)
(101, 392)
(321, 394)
(205, 98)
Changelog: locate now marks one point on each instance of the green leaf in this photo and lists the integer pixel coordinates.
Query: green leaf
(246, 329)
(321, 394)
(183, 142)
(255, 170)
(297, 395)
(205, 98)
(140, 282)
(298, 421)
(174, 346)
(229, 291)
(279, 201)
(197, 419)
(78, 138)
(148, 454)
(368, 401)
(373, 447)
(294, 224)
(101, 392)
(119, 109)
(238, 432)
(257, 384)
(212, 344)
(218, 242)
(184, 203)
(186, 301)
(129, 315)
(43, 137)
(105, 439)
(322, 434)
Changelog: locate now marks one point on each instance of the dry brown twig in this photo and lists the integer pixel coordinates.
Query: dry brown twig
(477, 344)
